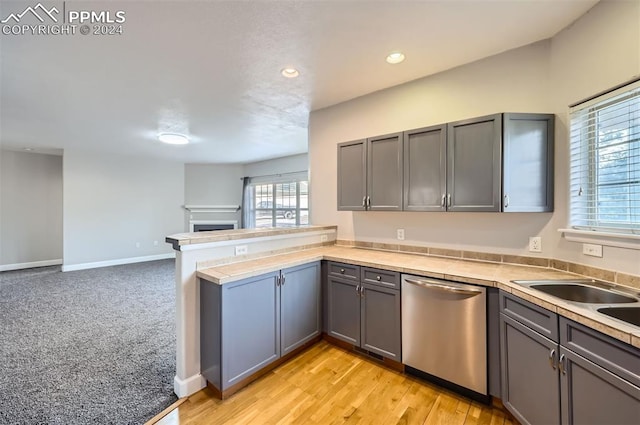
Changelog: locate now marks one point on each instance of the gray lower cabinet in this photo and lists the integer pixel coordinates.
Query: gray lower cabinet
(247, 325)
(370, 174)
(600, 377)
(530, 382)
(557, 371)
(365, 310)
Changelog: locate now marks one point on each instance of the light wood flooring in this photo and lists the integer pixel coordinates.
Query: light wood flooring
(328, 385)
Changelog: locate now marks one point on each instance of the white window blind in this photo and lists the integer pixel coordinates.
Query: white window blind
(605, 162)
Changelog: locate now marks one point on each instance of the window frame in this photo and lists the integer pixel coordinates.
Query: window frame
(584, 215)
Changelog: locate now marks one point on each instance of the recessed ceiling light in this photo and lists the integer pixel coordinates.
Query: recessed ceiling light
(173, 138)
(290, 72)
(395, 57)
(28, 149)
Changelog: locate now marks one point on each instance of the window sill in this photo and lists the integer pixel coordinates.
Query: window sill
(620, 240)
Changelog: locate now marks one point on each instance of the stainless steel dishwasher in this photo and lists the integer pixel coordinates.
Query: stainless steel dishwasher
(444, 330)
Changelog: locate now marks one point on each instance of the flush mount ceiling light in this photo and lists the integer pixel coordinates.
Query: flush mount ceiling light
(290, 72)
(173, 138)
(395, 57)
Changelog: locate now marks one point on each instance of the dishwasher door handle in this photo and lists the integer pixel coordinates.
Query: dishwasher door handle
(445, 288)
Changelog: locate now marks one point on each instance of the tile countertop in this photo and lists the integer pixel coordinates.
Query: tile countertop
(465, 271)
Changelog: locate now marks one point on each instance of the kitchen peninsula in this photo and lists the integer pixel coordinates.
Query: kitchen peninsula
(210, 257)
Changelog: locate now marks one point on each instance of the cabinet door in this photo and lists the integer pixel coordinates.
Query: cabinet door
(299, 306)
(593, 395)
(250, 327)
(474, 164)
(344, 310)
(384, 172)
(380, 317)
(530, 379)
(352, 176)
(425, 168)
(528, 163)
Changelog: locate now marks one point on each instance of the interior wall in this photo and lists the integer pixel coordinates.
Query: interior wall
(119, 207)
(30, 209)
(287, 164)
(212, 184)
(537, 78)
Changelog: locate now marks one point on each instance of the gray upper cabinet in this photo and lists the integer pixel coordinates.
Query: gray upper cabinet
(501, 162)
(425, 169)
(528, 162)
(474, 164)
(352, 175)
(370, 174)
(384, 173)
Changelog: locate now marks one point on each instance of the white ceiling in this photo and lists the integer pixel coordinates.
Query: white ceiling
(214, 67)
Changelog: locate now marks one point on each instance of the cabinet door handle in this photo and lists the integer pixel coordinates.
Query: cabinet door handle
(342, 271)
(361, 291)
(552, 359)
(506, 201)
(448, 199)
(364, 202)
(358, 290)
(378, 278)
(561, 365)
(368, 202)
(277, 280)
(443, 201)
(283, 278)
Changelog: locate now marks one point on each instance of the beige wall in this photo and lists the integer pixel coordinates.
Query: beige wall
(30, 209)
(542, 77)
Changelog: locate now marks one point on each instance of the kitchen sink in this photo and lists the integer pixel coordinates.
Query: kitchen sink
(584, 294)
(626, 314)
(583, 291)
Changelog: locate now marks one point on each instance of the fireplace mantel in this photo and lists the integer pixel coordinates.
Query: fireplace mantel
(212, 208)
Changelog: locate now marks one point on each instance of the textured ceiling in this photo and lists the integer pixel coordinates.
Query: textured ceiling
(212, 68)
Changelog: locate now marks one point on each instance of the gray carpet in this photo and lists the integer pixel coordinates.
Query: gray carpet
(87, 347)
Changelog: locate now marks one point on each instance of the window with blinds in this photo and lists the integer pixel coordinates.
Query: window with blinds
(605, 162)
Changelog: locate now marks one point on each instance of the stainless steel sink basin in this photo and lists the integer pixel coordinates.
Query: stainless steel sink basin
(583, 294)
(583, 291)
(626, 314)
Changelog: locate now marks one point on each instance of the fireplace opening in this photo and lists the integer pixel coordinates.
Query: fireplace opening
(209, 225)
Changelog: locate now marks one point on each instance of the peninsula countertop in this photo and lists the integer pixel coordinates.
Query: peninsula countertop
(499, 275)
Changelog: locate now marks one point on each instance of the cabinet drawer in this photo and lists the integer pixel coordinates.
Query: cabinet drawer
(539, 319)
(609, 353)
(379, 277)
(347, 271)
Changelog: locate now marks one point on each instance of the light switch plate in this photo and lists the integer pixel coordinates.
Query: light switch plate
(400, 234)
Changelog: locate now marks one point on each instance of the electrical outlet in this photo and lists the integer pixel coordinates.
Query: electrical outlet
(592, 250)
(242, 250)
(323, 238)
(535, 244)
(400, 234)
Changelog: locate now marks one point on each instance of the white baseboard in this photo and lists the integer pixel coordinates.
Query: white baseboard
(191, 385)
(32, 264)
(120, 261)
